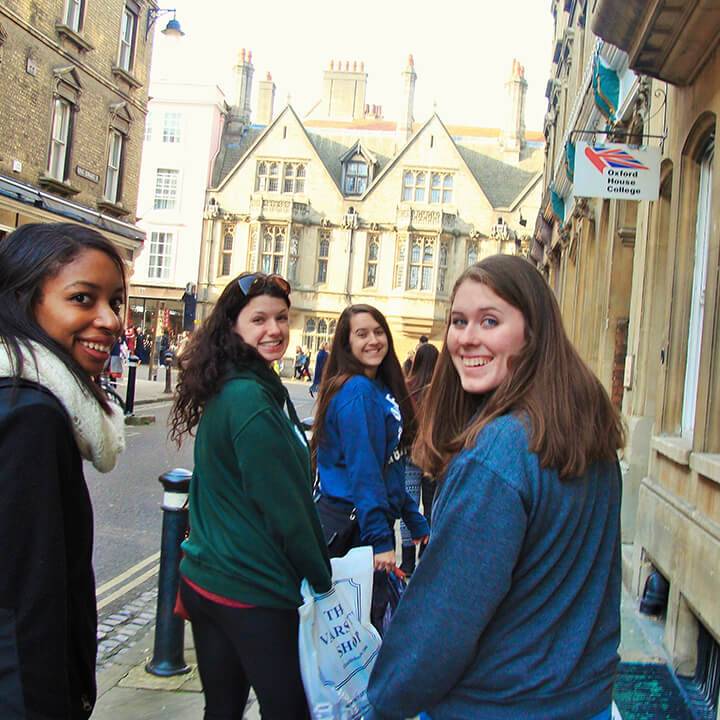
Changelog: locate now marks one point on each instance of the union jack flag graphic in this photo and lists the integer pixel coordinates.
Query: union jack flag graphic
(614, 158)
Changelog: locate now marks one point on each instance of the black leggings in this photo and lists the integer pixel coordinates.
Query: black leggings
(242, 647)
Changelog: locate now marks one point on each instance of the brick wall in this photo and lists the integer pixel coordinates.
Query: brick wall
(26, 99)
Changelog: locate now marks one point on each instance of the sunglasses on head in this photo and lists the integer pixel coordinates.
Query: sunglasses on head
(256, 282)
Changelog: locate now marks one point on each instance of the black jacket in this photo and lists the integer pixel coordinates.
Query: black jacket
(48, 618)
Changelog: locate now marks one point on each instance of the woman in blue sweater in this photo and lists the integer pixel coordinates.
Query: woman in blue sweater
(364, 426)
(514, 611)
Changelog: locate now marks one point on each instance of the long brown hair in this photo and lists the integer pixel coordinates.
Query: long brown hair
(341, 365)
(571, 421)
(421, 371)
(212, 350)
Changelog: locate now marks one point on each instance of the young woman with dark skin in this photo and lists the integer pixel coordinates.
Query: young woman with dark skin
(62, 292)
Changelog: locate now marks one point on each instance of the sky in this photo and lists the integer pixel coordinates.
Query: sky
(463, 50)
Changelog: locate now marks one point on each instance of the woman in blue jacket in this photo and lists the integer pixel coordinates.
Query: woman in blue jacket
(364, 426)
(514, 611)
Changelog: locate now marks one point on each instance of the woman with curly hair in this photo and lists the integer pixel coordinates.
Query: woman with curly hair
(254, 533)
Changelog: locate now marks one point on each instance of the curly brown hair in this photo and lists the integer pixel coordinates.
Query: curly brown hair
(213, 349)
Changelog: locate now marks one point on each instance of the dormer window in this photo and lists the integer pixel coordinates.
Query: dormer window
(356, 176)
(358, 168)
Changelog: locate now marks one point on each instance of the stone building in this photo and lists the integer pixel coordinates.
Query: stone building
(353, 208)
(638, 286)
(73, 94)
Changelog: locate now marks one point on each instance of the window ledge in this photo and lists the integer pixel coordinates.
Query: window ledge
(131, 80)
(67, 32)
(112, 208)
(676, 449)
(706, 464)
(57, 186)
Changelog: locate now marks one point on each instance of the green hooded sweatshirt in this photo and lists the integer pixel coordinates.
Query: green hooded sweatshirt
(254, 530)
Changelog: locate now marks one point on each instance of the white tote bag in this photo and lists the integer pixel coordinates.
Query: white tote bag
(338, 644)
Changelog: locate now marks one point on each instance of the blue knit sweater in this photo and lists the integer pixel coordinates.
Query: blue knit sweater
(359, 461)
(514, 611)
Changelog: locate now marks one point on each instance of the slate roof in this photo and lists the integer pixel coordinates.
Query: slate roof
(331, 149)
(500, 182)
(232, 149)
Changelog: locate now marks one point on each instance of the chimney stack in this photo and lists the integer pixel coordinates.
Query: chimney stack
(344, 89)
(513, 133)
(407, 103)
(266, 101)
(243, 71)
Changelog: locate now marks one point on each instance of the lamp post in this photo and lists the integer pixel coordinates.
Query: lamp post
(172, 29)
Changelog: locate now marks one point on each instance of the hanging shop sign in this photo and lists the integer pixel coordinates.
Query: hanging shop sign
(616, 172)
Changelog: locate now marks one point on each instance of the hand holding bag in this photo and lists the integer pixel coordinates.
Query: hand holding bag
(338, 644)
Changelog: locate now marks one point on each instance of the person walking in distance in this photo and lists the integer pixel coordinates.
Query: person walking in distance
(320, 360)
(416, 482)
(365, 422)
(62, 292)
(514, 611)
(254, 532)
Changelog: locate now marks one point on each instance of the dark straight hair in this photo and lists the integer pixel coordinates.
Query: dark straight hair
(341, 365)
(571, 421)
(422, 368)
(212, 349)
(29, 256)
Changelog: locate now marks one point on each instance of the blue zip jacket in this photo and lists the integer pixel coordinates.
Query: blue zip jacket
(514, 611)
(359, 461)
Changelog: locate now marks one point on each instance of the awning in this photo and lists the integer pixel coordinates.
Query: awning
(155, 293)
(28, 200)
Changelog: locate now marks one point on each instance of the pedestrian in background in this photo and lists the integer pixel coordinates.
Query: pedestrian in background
(320, 360)
(305, 372)
(254, 532)
(62, 290)
(514, 611)
(416, 481)
(299, 360)
(364, 426)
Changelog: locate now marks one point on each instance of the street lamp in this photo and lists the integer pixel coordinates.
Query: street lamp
(172, 29)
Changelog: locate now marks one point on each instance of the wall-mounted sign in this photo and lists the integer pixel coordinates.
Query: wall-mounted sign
(87, 174)
(617, 172)
(31, 67)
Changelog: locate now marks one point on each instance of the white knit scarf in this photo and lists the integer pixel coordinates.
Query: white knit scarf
(100, 437)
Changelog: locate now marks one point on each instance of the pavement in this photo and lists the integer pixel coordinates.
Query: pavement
(146, 391)
(126, 691)
(152, 391)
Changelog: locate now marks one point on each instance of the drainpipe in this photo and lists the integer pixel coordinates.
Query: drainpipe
(351, 223)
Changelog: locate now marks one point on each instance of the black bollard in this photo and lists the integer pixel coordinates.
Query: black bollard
(130, 395)
(168, 658)
(168, 377)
